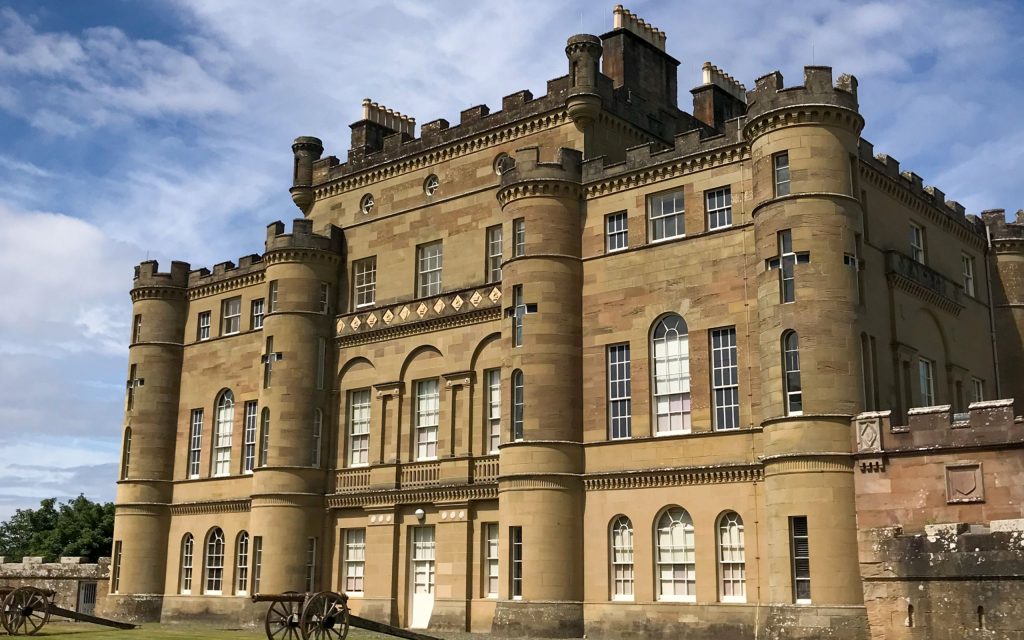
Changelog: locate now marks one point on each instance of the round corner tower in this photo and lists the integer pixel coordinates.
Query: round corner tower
(142, 516)
(803, 143)
(540, 492)
(583, 102)
(306, 150)
(287, 502)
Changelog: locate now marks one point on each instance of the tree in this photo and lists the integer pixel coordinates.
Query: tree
(78, 527)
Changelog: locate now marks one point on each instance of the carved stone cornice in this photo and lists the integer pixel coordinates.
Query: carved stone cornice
(931, 286)
(540, 188)
(900, 191)
(448, 310)
(459, 378)
(808, 462)
(449, 151)
(215, 288)
(300, 254)
(803, 195)
(428, 495)
(240, 505)
(158, 293)
(675, 477)
(670, 168)
(803, 114)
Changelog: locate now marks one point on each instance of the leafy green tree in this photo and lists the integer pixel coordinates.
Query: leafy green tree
(78, 527)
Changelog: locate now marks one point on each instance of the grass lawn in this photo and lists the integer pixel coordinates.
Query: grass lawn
(82, 631)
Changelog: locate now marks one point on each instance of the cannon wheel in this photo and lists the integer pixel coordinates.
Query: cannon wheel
(25, 611)
(283, 620)
(325, 617)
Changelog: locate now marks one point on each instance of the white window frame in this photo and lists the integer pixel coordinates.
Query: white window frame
(800, 553)
(249, 436)
(213, 563)
(675, 556)
(359, 409)
(793, 398)
(492, 382)
(515, 539)
(616, 232)
(264, 436)
(917, 243)
(518, 405)
(115, 569)
(926, 381)
(317, 437)
(431, 185)
(325, 298)
(426, 418)
(137, 328)
(620, 410)
(272, 296)
(195, 443)
(670, 388)
(204, 325)
(623, 571)
(321, 362)
(231, 316)
(126, 452)
(967, 264)
(242, 564)
(977, 390)
(494, 253)
(188, 548)
(518, 315)
(310, 565)
(366, 204)
(364, 282)
(518, 237)
(666, 222)
(354, 562)
(223, 428)
(718, 208)
(429, 266)
(257, 313)
(725, 381)
(257, 562)
(732, 568)
(780, 174)
(491, 560)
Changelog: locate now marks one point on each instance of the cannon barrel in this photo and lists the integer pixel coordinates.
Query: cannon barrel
(290, 596)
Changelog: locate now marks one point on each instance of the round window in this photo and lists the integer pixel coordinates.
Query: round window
(431, 185)
(366, 204)
(503, 163)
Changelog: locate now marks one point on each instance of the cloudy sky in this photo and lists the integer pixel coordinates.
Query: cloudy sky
(161, 129)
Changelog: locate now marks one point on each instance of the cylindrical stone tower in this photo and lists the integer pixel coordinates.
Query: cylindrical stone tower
(142, 516)
(306, 150)
(1006, 270)
(806, 217)
(287, 500)
(583, 102)
(540, 493)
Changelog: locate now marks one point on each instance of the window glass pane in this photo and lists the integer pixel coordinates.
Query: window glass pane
(666, 215)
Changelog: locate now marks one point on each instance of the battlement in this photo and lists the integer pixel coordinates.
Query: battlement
(710, 74)
(769, 93)
(225, 270)
(623, 18)
(694, 142)
(303, 237)
(999, 228)
(890, 167)
(566, 167)
(147, 274)
(930, 428)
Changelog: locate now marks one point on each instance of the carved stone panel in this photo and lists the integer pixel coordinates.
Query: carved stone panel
(869, 438)
(964, 483)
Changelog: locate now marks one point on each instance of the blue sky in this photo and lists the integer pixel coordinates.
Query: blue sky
(162, 129)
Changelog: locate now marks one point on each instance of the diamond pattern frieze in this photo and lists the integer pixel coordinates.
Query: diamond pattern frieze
(356, 323)
(457, 303)
(495, 295)
(421, 310)
(439, 306)
(371, 320)
(404, 313)
(475, 299)
(340, 325)
(388, 317)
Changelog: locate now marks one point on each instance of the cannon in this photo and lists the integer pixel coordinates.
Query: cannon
(26, 610)
(319, 616)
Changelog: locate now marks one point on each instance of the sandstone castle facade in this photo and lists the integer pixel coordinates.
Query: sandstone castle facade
(587, 364)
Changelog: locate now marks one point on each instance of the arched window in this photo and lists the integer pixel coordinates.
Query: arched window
(188, 544)
(518, 403)
(670, 346)
(676, 566)
(622, 559)
(126, 453)
(264, 436)
(732, 572)
(222, 433)
(793, 394)
(214, 565)
(242, 564)
(318, 428)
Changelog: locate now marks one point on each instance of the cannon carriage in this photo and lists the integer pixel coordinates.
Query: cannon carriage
(319, 616)
(26, 610)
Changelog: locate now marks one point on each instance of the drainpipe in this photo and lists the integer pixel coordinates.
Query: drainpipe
(991, 310)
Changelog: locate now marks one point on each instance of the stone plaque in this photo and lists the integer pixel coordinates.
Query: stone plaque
(964, 483)
(869, 435)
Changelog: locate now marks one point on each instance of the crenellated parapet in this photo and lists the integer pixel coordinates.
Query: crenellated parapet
(531, 177)
(817, 101)
(150, 282)
(1006, 236)
(302, 243)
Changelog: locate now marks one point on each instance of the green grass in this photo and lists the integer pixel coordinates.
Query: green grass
(83, 631)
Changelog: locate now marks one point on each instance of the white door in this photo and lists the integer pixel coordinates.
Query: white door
(422, 571)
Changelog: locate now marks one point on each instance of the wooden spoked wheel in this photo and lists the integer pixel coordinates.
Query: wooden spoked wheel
(25, 611)
(283, 620)
(325, 617)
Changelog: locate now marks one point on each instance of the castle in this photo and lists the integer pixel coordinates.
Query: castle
(587, 364)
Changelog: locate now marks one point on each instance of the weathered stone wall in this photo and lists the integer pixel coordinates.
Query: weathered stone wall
(63, 577)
